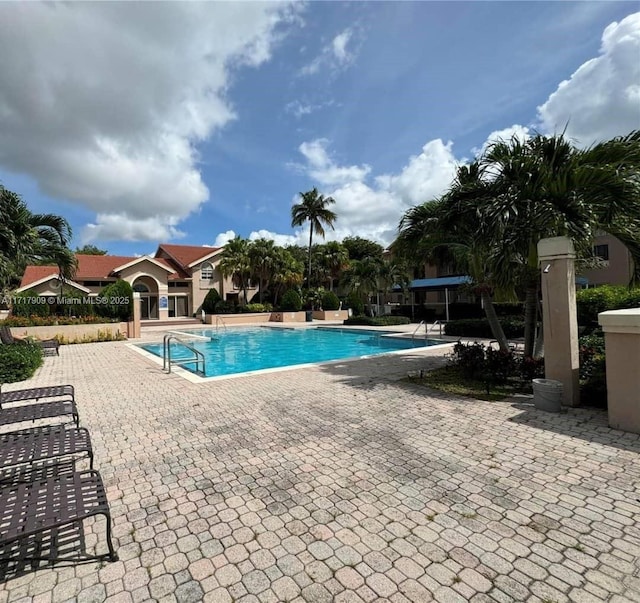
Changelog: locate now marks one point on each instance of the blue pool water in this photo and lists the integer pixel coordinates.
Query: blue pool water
(250, 349)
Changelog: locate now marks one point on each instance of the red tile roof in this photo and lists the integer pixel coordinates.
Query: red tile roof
(33, 274)
(93, 267)
(186, 254)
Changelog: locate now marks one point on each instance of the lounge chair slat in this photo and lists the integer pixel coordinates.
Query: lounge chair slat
(31, 508)
(38, 443)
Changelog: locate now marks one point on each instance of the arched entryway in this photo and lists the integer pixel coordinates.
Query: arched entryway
(148, 290)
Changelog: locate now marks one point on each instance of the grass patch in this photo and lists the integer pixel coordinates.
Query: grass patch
(449, 379)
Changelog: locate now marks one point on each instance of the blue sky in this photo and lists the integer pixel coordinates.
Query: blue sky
(191, 123)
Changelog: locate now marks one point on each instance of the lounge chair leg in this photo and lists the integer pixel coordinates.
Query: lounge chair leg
(113, 556)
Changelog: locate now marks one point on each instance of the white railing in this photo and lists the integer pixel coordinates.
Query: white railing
(438, 323)
(220, 321)
(167, 361)
(422, 323)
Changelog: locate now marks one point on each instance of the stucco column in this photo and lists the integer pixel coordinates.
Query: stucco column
(560, 323)
(622, 348)
(134, 325)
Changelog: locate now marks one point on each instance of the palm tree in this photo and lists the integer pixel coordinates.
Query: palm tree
(235, 263)
(28, 238)
(448, 229)
(313, 209)
(286, 271)
(333, 258)
(545, 187)
(261, 260)
(394, 272)
(362, 278)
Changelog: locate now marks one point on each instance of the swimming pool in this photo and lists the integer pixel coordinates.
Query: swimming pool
(251, 349)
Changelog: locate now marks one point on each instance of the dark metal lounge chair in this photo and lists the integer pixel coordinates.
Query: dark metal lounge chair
(31, 508)
(39, 443)
(47, 344)
(65, 405)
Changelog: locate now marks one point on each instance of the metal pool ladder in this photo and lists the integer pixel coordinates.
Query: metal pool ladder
(167, 361)
(427, 329)
(220, 321)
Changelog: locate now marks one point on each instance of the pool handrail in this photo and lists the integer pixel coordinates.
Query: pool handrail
(166, 354)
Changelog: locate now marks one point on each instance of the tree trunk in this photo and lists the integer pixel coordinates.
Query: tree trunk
(538, 350)
(310, 240)
(530, 311)
(494, 323)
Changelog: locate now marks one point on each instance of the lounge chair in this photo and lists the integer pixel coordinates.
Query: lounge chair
(28, 509)
(46, 344)
(43, 443)
(64, 404)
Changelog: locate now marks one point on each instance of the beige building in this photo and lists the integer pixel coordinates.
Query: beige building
(618, 267)
(172, 284)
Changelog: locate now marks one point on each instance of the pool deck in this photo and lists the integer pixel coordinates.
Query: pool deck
(341, 483)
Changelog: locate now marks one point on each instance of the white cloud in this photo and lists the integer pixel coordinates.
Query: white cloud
(280, 239)
(373, 210)
(602, 98)
(339, 46)
(335, 56)
(119, 227)
(102, 103)
(520, 132)
(321, 168)
(299, 109)
(224, 237)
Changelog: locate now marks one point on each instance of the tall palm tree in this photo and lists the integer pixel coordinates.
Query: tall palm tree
(28, 238)
(261, 259)
(545, 187)
(236, 264)
(313, 208)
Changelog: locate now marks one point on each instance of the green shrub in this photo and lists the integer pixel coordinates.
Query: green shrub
(291, 301)
(379, 321)
(531, 368)
(48, 321)
(590, 302)
(225, 307)
(356, 304)
(19, 361)
(210, 300)
(479, 327)
(469, 358)
(330, 301)
(30, 304)
(117, 301)
(593, 378)
(257, 308)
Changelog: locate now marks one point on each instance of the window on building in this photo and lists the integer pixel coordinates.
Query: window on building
(206, 271)
(140, 288)
(601, 251)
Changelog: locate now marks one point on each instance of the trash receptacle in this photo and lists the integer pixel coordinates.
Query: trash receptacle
(547, 394)
(309, 315)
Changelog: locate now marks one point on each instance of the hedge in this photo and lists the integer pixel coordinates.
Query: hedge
(330, 301)
(210, 300)
(291, 301)
(590, 302)
(50, 321)
(18, 361)
(379, 321)
(479, 327)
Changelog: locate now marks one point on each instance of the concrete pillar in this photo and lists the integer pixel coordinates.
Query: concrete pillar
(134, 325)
(622, 348)
(560, 323)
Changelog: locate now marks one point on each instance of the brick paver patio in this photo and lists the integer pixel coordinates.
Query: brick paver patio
(342, 483)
